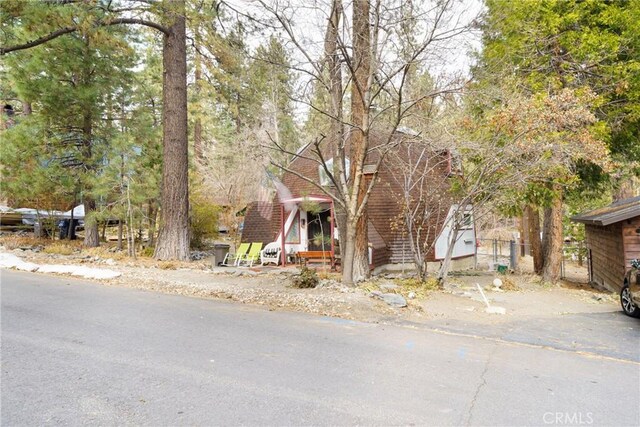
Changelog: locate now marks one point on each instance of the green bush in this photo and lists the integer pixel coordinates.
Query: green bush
(146, 252)
(306, 279)
(204, 221)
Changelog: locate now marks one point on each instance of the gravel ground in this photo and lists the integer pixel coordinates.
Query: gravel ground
(270, 287)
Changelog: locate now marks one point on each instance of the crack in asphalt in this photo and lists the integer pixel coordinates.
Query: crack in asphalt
(506, 341)
(481, 384)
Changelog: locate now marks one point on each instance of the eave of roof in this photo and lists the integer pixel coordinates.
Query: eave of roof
(615, 212)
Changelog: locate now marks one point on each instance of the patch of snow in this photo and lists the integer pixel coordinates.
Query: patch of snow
(12, 261)
(75, 270)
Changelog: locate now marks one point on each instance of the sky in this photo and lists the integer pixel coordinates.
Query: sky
(445, 60)
(309, 19)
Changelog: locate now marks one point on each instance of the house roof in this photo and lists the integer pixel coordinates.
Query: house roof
(615, 212)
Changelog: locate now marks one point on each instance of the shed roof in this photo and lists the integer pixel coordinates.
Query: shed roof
(615, 212)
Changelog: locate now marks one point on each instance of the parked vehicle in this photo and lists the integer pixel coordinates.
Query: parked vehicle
(630, 293)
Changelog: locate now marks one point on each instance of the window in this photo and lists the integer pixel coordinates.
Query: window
(467, 221)
(293, 235)
(324, 178)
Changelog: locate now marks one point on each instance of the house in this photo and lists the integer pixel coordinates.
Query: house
(613, 240)
(307, 216)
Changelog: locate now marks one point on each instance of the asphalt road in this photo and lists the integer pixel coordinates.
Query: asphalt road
(81, 353)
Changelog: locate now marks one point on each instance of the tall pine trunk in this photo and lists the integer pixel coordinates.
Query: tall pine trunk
(91, 233)
(553, 239)
(533, 233)
(151, 213)
(173, 238)
(197, 125)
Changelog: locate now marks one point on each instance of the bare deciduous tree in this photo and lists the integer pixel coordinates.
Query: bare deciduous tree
(362, 58)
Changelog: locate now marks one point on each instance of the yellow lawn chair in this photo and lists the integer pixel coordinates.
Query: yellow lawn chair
(253, 255)
(235, 258)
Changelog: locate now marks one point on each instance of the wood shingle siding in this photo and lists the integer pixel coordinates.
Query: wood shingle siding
(607, 254)
(631, 240)
(385, 201)
(261, 223)
(613, 238)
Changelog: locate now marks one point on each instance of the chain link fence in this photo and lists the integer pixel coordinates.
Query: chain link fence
(502, 255)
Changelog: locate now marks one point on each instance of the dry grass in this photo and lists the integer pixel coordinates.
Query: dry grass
(105, 251)
(329, 275)
(417, 286)
(405, 286)
(15, 242)
(167, 265)
(58, 248)
(509, 284)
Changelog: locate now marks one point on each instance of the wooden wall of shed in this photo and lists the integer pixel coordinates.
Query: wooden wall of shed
(607, 255)
(631, 240)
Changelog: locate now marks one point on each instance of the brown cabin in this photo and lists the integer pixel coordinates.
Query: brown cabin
(613, 240)
(264, 222)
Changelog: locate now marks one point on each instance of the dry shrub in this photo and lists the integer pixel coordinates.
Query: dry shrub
(105, 251)
(306, 279)
(419, 287)
(60, 249)
(15, 242)
(323, 274)
(368, 287)
(167, 265)
(509, 284)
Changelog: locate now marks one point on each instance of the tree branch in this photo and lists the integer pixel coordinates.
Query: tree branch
(68, 30)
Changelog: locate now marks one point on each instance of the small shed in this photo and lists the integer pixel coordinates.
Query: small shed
(613, 240)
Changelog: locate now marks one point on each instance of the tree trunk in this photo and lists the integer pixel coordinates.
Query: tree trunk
(26, 108)
(151, 213)
(546, 224)
(446, 262)
(533, 231)
(417, 252)
(91, 233)
(553, 233)
(361, 270)
(197, 125)
(626, 189)
(336, 133)
(347, 253)
(120, 233)
(71, 230)
(173, 238)
(360, 133)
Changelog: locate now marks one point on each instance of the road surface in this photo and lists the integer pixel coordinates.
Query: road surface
(75, 353)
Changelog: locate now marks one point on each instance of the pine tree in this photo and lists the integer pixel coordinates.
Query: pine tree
(67, 81)
(547, 47)
(57, 19)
